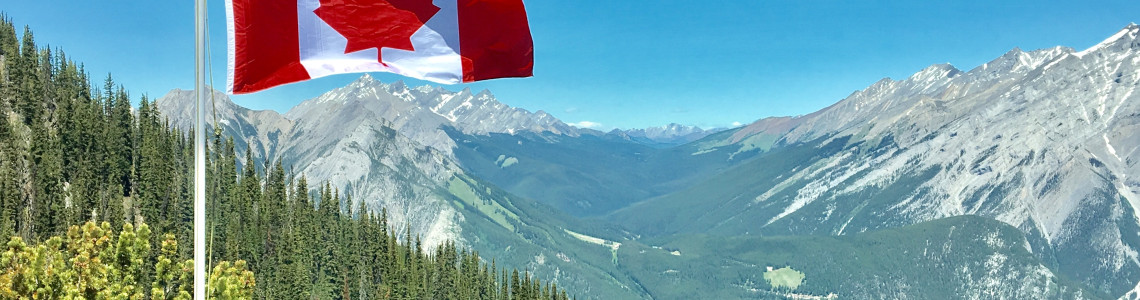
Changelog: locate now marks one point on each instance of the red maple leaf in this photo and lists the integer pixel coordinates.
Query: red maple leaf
(376, 24)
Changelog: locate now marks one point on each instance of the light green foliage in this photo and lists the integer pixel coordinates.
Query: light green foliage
(171, 280)
(231, 282)
(462, 189)
(93, 262)
(34, 271)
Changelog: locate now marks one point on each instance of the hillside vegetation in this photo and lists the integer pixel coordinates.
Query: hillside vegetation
(966, 257)
(73, 154)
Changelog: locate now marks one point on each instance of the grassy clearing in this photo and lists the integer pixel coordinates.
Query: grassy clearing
(503, 162)
(510, 161)
(614, 246)
(784, 277)
(490, 208)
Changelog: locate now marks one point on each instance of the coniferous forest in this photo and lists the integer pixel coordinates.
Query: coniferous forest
(97, 196)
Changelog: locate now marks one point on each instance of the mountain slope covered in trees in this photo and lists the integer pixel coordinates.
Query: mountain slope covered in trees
(1044, 140)
(352, 147)
(71, 154)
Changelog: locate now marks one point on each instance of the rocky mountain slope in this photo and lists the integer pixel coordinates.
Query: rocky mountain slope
(420, 113)
(364, 156)
(359, 151)
(260, 131)
(1044, 140)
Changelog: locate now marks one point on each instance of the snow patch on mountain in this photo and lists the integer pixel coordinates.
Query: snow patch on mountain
(1128, 32)
(1044, 140)
(420, 113)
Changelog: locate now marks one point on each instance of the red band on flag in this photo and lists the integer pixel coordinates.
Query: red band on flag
(494, 39)
(265, 45)
(275, 42)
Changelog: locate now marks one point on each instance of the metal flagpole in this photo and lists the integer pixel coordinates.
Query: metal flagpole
(200, 151)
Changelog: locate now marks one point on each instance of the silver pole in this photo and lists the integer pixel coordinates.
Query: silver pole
(200, 151)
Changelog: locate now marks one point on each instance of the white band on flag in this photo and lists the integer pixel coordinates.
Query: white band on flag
(436, 57)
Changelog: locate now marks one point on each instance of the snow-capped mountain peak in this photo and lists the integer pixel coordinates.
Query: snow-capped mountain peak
(364, 81)
(1041, 140)
(667, 135)
(936, 72)
(422, 112)
(1125, 38)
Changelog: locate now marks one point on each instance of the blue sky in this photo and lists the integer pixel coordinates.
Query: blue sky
(631, 63)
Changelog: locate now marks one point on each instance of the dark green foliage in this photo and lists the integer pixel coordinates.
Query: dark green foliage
(26, 78)
(587, 175)
(8, 194)
(941, 259)
(69, 155)
(667, 214)
(1110, 208)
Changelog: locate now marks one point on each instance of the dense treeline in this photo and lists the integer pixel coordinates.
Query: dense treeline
(71, 154)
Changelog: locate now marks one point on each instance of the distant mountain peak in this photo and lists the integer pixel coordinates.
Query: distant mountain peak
(428, 89)
(1031, 138)
(174, 101)
(936, 72)
(364, 79)
(398, 85)
(1123, 39)
(422, 112)
(485, 94)
(666, 135)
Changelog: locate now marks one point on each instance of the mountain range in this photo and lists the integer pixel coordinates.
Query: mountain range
(1015, 179)
(669, 135)
(1043, 140)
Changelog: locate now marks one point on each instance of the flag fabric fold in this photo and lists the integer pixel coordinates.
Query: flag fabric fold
(274, 42)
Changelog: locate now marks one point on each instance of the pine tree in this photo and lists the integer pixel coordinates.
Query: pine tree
(48, 158)
(223, 204)
(111, 200)
(8, 196)
(249, 193)
(10, 53)
(27, 79)
(9, 201)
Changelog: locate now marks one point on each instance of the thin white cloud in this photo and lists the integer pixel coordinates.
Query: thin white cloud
(737, 124)
(571, 110)
(587, 124)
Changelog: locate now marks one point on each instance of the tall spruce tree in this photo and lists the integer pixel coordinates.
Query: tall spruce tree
(8, 195)
(29, 95)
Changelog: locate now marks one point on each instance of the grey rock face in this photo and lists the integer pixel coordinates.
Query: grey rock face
(420, 112)
(382, 143)
(368, 140)
(261, 130)
(1044, 140)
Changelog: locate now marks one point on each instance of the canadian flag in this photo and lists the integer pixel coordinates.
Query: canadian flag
(275, 42)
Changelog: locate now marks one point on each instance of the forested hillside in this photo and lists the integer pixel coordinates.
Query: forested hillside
(72, 154)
